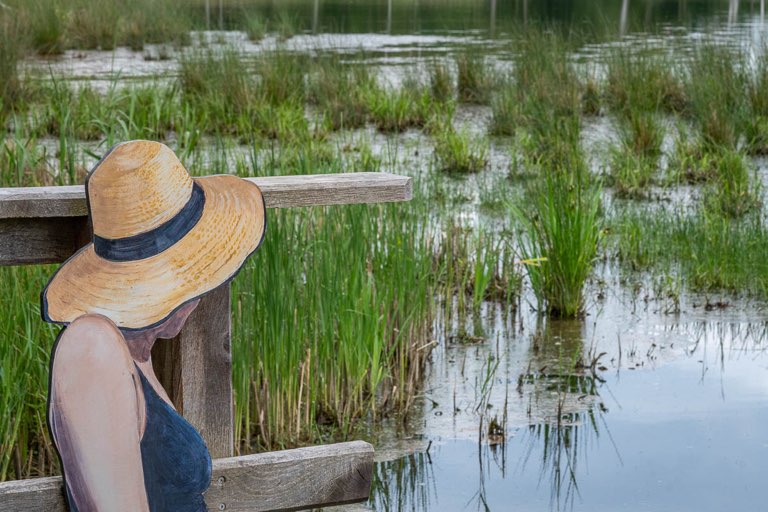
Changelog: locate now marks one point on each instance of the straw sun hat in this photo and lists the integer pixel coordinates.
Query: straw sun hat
(160, 238)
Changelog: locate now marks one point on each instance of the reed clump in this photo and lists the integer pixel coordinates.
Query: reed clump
(560, 232)
(735, 191)
(458, 151)
(716, 86)
(643, 80)
(359, 277)
(505, 110)
(27, 447)
(396, 110)
(544, 75)
(475, 78)
(635, 160)
(217, 86)
(756, 129)
(473, 267)
(340, 91)
(441, 83)
(549, 92)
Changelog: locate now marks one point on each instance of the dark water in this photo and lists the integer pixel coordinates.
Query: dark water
(495, 16)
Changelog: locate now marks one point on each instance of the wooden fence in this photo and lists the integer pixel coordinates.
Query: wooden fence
(48, 224)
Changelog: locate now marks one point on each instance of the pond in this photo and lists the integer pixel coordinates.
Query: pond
(655, 400)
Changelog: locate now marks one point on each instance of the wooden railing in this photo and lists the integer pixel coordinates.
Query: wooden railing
(48, 224)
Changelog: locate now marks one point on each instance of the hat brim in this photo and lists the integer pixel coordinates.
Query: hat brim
(144, 293)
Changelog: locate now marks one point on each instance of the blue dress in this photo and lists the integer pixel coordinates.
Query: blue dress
(177, 465)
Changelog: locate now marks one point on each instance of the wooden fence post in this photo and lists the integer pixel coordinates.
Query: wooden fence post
(195, 368)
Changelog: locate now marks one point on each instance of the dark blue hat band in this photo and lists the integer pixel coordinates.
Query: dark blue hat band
(151, 243)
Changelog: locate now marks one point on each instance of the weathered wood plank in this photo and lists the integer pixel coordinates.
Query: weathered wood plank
(195, 368)
(41, 240)
(293, 479)
(276, 481)
(205, 359)
(279, 192)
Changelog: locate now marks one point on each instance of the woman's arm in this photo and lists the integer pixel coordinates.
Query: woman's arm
(97, 415)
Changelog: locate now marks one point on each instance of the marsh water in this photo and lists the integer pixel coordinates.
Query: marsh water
(664, 403)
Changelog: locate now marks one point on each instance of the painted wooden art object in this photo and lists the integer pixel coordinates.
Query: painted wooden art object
(161, 240)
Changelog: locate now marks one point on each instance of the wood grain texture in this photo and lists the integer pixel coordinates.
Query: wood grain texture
(276, 481)
(48, 224)
(195, 368)
(41, 240)
(279, 192)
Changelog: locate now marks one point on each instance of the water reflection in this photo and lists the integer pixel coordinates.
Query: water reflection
(404, 484)
(562, 415)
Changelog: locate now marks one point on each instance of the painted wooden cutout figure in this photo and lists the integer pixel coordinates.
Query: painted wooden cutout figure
(161, 240)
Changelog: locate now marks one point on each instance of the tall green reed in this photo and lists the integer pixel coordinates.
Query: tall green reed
(560, 234)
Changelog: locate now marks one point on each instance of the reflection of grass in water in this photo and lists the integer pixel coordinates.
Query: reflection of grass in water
(404, 484)
(564, 391)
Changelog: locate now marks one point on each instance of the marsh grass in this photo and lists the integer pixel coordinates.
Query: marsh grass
(343, 306)
(256, 27)
(544, 75)
(505, 110)
(27, 447)
(55, 25)
(643, 80)
(736, 190)
(340, 91)
(756, 129)
(475, 78)
(690, 162)
(441, 83)
(635, 161)
(458, 151)
(46, 27)
(711, 253)
(475, 266)
(550, 141)
(281, 76)
(560, 223)
(396, 110)
(545, 101)
(716, 87)
(218, 85)
(591, 98)
(10, 53)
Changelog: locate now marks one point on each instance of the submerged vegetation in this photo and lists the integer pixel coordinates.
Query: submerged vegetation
(334, 317)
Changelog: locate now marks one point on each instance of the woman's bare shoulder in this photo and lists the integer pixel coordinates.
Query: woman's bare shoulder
(92, 343)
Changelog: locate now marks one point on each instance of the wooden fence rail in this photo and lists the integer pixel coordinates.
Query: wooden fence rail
(48, 224)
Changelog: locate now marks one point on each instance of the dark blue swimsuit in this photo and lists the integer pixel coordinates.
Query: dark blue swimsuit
(177, 465)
